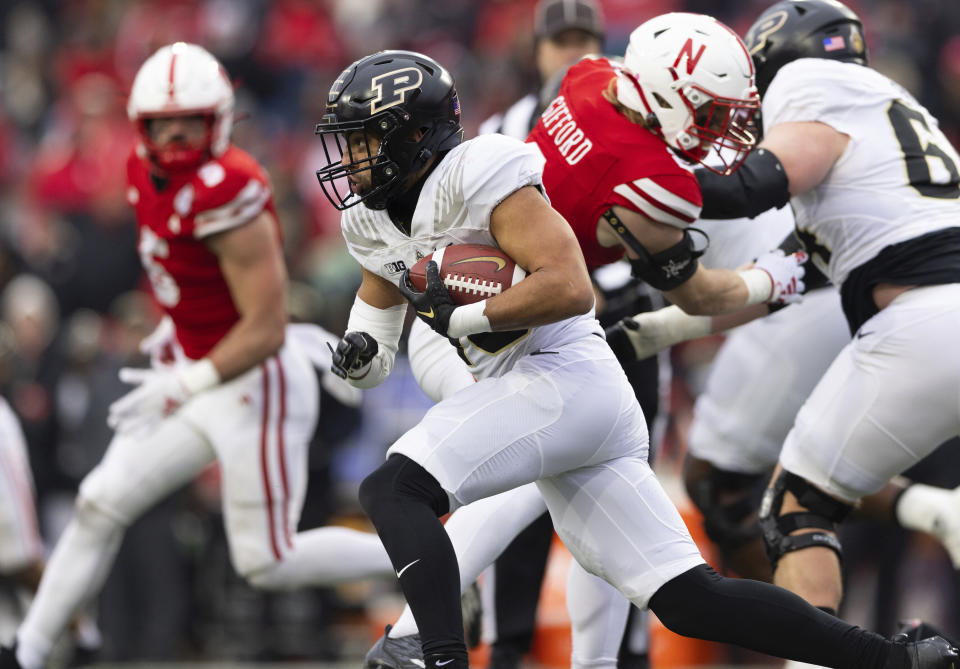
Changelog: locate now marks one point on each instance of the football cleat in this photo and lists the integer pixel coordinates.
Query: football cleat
(83, 656)
(918, 630)
(933, 652)
(400, 653)
(8, 658)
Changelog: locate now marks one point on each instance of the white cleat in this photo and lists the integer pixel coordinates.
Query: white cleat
(935, 511)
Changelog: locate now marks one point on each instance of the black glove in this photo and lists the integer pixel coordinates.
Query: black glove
(353, 353)
(434, 305)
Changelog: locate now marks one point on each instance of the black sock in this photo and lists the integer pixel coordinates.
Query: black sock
(518, 579)
(404, 503)
(762, 617)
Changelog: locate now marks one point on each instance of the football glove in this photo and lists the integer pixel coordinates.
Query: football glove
(434, 305)
(159, 393)
(159, 344)
(353, 355)
(786, 272)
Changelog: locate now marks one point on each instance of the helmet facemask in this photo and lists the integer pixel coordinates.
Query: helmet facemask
(722, 134)
(178, 153)
(368, 159)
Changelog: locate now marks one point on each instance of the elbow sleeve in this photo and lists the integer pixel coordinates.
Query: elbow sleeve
(760, 184)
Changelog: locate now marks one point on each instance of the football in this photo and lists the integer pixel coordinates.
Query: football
(470, 272)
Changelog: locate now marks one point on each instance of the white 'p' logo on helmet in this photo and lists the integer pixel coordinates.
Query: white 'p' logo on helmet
(392, 87)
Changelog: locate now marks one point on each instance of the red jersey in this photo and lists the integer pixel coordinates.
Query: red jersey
(597, 158)
(174, 221)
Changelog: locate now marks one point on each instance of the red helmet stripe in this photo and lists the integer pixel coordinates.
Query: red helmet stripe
(173, 64)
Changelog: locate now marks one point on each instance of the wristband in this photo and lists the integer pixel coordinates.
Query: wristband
(199, 376)
(759, 285)
(468, 320)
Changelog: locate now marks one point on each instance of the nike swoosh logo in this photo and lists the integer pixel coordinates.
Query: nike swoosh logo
(500, 262)
(400, 573)
(417, 662)
(426, 314)
(440, 664)
(861, 335)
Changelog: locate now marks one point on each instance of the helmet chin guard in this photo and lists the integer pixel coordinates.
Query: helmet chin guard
(182, 80)
(691, 77)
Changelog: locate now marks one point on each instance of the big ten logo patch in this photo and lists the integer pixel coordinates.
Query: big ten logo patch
(394, 267)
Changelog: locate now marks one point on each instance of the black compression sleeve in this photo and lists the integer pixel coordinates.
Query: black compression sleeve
(404, 503)
(700, 603)
(758, 185)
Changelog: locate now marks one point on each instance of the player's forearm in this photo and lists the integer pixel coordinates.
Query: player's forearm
(710, 292)
(545, 296)
(248, 343)
(730, 320)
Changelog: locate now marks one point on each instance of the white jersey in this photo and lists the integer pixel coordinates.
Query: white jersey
(20, 542)
(454, 208)
(896, 180)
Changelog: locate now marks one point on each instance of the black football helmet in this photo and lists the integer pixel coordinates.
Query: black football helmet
(405, 100)
(793, 29)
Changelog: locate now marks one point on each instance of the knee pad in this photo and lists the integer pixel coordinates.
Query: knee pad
(90, 514)
(400, 480)
(102, 496)
(726, 500)
(823, 512)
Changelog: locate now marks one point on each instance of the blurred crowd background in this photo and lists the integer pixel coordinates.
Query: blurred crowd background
(74, 303)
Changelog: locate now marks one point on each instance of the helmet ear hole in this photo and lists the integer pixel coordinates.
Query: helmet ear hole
(662, 101)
